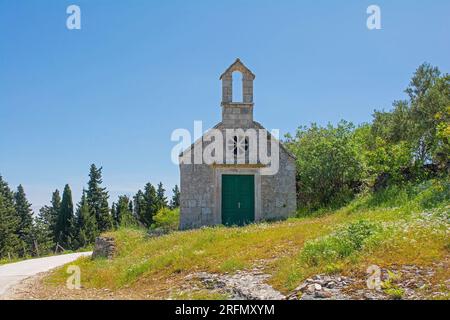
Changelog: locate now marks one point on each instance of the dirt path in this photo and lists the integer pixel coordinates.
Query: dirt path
(14, 273)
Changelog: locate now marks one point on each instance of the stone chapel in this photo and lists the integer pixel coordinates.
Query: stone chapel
(237, 187)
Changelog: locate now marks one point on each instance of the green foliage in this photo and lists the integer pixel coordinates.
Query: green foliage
(25, 227)
(146, 205)
(328, 164)
(391, 288)
(395, 293)
(43, 235)
(160, 196)
(167, 219)
(123, 215)
(54, 212)
(86, 223)
(175, 201)
(434, 193)
(342, 244)
(97, 199)
(65, 227)
(9, 223)
(408, 144)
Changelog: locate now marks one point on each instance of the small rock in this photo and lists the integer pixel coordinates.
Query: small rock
(311, 288)
(323, 294)
(301, 287)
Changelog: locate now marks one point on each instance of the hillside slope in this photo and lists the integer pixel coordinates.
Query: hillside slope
(405, 231)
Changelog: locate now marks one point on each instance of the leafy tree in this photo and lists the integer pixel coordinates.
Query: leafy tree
(97, 198)
(86, 223)
(25, 227)
(329, 167)
(167, 219)
(175, 201)
(393, 126)
(419, 123)
(65, 226)
(9, 223)
(160, 196)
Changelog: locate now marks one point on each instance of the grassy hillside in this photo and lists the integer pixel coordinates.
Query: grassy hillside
(399, 226)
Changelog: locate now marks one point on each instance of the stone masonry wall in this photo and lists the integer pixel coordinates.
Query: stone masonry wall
(197, 186)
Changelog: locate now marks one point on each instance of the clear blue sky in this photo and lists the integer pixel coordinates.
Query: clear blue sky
(112, 92)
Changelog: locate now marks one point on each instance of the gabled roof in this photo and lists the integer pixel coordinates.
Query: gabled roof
(219, 126)
(238, 66)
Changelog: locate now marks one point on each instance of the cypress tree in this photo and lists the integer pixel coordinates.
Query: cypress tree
(54, 212)
(9, 223)
(65, 224)
(25, 215)
(97, 198)
(160, 196)
(175, 201)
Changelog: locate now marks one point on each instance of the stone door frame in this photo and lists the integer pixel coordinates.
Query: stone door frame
(218, 173)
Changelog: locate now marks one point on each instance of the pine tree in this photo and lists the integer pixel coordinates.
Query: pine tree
(65, 225)
(161, 198)
(86, 223)
(175, 201)
(97, 198)
(42, 234)
(25, 214)
(9, 223)
(49, 214)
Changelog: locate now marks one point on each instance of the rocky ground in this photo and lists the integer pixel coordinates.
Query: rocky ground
(407, 282)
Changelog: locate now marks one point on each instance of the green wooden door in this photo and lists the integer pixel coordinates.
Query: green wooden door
(238, 199)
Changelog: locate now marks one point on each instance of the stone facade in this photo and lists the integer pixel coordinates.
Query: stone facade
(200, 185)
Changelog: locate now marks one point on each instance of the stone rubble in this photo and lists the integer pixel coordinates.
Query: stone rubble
(322, 287)
(104, 247)
(241, 285)
(415, 283)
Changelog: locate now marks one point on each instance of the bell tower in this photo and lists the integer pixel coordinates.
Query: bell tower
(237, 114)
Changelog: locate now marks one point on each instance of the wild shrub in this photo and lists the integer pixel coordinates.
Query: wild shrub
(167, 219)
(339, 245)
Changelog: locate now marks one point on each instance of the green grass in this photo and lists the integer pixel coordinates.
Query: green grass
(373, 229)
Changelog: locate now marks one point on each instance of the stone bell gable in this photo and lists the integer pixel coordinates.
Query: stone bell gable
(241, 191)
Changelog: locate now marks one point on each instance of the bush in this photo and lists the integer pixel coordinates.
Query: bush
(339, 245)
(328, 165)
(435, 194)
(167, 219)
